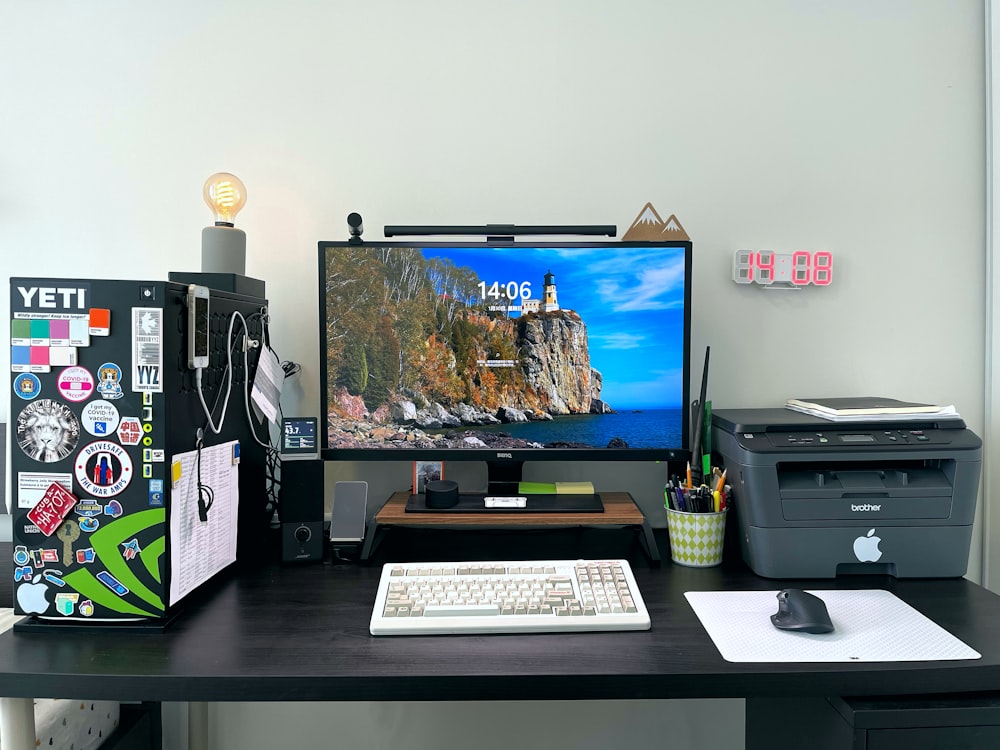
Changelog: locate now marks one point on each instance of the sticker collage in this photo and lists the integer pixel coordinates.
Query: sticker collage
(88, 461)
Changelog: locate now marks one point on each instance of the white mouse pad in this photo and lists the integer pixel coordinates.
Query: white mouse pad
(869, 625)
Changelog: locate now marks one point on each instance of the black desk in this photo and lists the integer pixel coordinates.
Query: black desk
(300, 633)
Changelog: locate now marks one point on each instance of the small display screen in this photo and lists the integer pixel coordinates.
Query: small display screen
(201, 326)
(298, 435)
(857, 438)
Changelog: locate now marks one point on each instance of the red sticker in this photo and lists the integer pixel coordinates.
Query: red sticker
(50, 511)
(129, 431)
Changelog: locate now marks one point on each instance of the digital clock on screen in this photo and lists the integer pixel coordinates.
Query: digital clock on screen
(768, 268)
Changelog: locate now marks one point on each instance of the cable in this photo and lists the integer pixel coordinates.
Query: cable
(206, 495)
(272, 456)
(228, 375)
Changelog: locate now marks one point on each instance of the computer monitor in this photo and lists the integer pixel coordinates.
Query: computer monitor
(505, 352)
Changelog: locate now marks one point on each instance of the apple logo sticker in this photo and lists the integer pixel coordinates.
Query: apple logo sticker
(32, 597)
(866, 547)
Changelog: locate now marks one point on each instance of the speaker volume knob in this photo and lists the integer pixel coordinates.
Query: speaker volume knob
(302, 534)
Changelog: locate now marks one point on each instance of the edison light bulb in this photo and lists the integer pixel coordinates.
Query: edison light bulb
(223, 246)
(225, 194)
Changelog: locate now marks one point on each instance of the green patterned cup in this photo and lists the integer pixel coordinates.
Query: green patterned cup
(696, 538)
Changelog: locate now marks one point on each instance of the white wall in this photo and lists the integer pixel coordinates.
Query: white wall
(855, 126)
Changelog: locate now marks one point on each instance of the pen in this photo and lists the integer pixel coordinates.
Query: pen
(705, 494)
(681, 505)
(717, 501)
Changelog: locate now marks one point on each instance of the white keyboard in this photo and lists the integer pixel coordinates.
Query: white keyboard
(533, 596)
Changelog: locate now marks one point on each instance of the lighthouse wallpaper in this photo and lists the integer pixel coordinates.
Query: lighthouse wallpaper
(483, 346)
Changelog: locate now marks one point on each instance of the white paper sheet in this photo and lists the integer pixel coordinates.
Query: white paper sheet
(200, 549)
(266, 391)
(870, 625)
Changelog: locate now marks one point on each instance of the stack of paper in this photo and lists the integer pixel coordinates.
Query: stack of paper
(870, 409)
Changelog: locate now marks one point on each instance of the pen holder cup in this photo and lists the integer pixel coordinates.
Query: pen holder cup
(696, 538)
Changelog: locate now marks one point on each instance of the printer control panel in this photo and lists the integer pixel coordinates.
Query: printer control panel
(856, 438)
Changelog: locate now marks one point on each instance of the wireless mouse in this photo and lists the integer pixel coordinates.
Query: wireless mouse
(802, 612)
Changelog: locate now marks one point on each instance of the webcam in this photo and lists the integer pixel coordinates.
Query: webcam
(354, 226)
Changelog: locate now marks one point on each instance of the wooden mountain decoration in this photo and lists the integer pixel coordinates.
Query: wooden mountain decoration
(649, 227)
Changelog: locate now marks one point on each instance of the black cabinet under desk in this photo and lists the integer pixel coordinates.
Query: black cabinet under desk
(928, 722)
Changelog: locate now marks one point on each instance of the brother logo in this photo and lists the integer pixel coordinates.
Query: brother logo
(864, 508)
(504, 455)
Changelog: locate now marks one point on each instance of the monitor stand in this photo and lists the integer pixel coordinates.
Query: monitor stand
(478, 502)
(618, 511)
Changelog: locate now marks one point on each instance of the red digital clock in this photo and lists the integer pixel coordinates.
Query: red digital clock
(768, 268)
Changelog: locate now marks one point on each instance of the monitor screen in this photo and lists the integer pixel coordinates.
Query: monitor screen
(466, 351)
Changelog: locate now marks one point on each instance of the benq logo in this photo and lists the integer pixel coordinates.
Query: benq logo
(867, 507)
(505, 455)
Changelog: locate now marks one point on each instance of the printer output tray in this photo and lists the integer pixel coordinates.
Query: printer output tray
(893, 494)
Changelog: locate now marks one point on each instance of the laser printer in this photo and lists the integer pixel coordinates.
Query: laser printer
(816, 498)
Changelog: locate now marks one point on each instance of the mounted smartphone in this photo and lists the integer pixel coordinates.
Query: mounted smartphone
(197, 330)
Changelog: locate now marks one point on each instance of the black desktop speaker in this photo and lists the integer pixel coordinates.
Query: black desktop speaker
(300, 510)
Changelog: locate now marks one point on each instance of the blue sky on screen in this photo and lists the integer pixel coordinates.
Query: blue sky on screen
(632, 300)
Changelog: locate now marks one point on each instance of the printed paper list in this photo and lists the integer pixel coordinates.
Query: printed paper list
(200, 549)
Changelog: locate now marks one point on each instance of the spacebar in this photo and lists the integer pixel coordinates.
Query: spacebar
(461, 610)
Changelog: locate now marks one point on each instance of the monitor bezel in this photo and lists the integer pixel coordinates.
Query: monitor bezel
(671, 454)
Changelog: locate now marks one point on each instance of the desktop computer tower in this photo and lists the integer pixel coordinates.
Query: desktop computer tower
(124, 498)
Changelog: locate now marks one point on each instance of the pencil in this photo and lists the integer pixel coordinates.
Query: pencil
(689, 475)
(722, 481)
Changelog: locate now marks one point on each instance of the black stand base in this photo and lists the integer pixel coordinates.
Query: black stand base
(32, 624)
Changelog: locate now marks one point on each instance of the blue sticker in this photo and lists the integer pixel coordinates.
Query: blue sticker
(89, 524)
(114, 509)
(156, 492)
(112, 583)
(109, 376)
(21, 555)
(27, 385)
(88, 508)
(54, 577)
